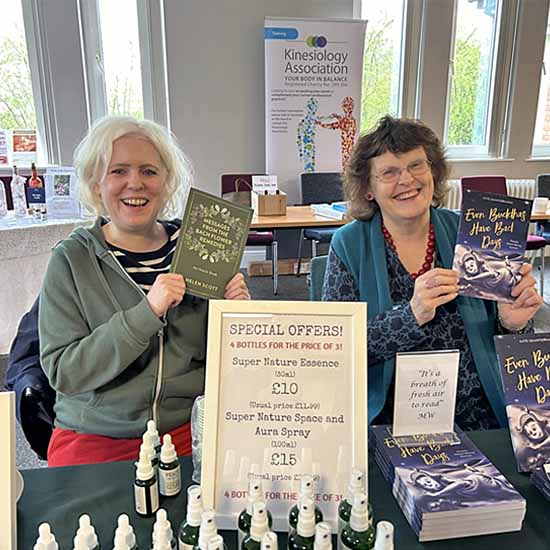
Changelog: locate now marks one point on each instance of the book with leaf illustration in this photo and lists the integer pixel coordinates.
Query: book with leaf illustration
(211, 243)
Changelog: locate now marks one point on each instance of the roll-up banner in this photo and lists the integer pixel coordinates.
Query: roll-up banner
(313, 75)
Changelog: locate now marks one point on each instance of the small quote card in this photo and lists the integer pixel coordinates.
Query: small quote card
(425, 392)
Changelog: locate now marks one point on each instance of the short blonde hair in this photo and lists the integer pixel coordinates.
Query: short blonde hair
(93, 154)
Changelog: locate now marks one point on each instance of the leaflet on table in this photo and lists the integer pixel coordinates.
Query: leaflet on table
(328, 211)
(425, 392)
(290, 398)
(525, 370)
(211, 243)
(490, 245)
(62, 192)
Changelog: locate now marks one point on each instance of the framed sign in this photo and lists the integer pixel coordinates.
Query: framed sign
(8, 510)
(286, 386)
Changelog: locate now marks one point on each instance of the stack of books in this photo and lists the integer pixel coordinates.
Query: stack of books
(447, 491)
(539, 478)
(334, 210)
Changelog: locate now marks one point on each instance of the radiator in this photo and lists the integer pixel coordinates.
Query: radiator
(523, 189)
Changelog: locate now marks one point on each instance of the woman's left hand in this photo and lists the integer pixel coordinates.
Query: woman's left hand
(236, 288)
(526, 302)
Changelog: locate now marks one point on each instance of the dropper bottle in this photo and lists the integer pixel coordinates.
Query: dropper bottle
(155, 438)
(147, 446)
(188, 535)
(258, 527)
(306, 492)
(216, 543)
(169, 469)
(303, 537)
(46, 538)
(359, 533)
(86, 532)
(146, 491)
(162, 530)
(126, 532)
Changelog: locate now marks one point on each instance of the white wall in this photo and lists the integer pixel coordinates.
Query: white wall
(215, 59)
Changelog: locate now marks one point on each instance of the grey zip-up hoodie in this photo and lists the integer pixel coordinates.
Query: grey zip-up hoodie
(113, 363)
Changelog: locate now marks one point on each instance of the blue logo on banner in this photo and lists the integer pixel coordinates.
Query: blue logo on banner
(274, 33)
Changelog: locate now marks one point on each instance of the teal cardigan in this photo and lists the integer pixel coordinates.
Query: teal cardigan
(360, 246)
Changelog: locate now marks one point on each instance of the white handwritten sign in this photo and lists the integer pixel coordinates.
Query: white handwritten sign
(285, 396)
(425, 392)
(260, 184)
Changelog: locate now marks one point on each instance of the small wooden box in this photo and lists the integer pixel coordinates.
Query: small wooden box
(269, 205)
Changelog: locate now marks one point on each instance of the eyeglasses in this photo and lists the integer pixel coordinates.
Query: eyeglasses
(391, 174)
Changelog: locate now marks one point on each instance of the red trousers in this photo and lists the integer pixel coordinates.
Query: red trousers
(68, 448)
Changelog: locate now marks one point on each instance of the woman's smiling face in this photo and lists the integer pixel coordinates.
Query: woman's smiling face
(132, 191)
(409, 197)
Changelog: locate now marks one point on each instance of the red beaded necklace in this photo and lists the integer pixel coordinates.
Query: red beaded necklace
(430, 250)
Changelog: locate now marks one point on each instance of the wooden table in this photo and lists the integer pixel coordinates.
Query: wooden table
(297, 217)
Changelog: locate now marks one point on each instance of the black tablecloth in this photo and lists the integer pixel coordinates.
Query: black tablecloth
(60, 495)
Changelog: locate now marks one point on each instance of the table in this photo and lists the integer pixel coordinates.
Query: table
(295, 217)
(61, 495)
(25, 245)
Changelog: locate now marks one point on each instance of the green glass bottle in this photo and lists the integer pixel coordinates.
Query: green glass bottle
(303, 537)
(344, 508)
(255, 494)
(359, 533)
(188, 534)
(258, 527)
(306, 491)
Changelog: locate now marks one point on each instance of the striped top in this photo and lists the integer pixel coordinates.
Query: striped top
(143, 267)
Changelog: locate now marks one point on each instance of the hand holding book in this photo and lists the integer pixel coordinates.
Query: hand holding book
(431, 290)
(515, 315)
(167, 292)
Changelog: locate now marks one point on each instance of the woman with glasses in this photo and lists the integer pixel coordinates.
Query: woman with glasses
(397, 256)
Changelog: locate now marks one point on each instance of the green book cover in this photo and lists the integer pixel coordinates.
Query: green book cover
(211, 243)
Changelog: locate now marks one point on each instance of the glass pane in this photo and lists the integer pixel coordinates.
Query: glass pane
(472, 72)
(17, 111)
(541, 141)
(382, 63)
(121, 59)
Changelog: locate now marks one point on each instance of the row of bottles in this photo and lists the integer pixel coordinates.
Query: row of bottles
(18, 194)
(157, 471)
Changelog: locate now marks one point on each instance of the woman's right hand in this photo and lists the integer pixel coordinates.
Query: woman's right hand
(167, 292)
(432, 289)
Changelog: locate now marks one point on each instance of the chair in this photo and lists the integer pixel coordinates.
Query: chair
(35, 397)
(316, 277)
(318, 187)
(237, 188)
(497, 184)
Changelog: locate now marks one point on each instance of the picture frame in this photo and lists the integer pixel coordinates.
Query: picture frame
(286, 387)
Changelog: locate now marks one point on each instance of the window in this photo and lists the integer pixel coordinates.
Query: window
(541, 140)
(382, 67)
(472, 72)
(17, 107)
(121, 57)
